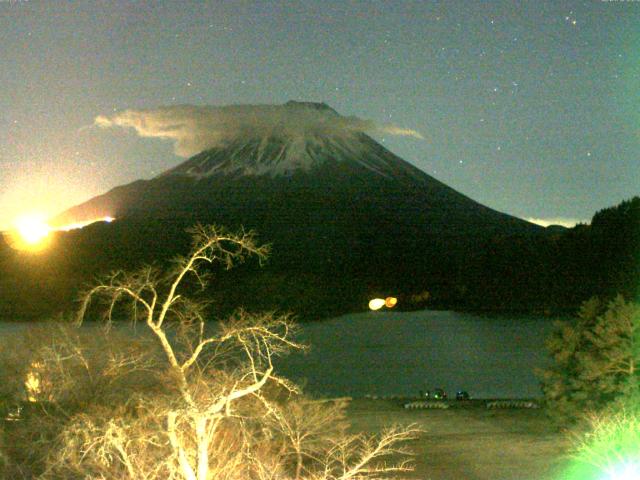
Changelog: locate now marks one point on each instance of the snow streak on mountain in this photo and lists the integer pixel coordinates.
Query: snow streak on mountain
(278, 155)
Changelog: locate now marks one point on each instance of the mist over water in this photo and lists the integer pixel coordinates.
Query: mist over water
(402, 353)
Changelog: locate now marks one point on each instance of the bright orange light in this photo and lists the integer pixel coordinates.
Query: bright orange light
(32, 228)
(376, 304)
(30, 233)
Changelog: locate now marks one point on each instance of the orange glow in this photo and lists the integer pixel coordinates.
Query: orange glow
(376, 304)
(32, 228)
(30, 233)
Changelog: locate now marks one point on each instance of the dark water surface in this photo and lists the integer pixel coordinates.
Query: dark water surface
(396, 353)
(400, 353)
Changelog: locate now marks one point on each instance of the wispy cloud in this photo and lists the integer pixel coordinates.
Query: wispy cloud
(563, 221)
(197, 128)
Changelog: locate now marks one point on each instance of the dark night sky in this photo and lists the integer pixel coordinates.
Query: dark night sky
(530, 107)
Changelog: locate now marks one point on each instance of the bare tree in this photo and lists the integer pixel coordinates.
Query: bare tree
(54, 371)
(309, 429)
(216, 408)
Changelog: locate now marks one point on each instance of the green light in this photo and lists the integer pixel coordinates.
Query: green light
(611, 451)
(625, 471)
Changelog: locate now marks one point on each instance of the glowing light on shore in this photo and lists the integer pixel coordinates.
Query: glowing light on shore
(376, 304)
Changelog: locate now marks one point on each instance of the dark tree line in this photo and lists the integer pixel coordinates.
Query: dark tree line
(558, 271)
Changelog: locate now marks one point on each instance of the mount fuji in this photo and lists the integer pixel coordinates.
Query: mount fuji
(281, 173)
(346, 217)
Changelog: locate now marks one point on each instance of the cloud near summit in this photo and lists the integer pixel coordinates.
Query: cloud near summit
(197, 128)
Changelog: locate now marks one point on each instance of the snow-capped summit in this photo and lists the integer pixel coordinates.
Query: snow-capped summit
(302, 136)
(295, 164)
(283, 155)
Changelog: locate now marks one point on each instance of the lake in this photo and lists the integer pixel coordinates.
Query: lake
(401, 353)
